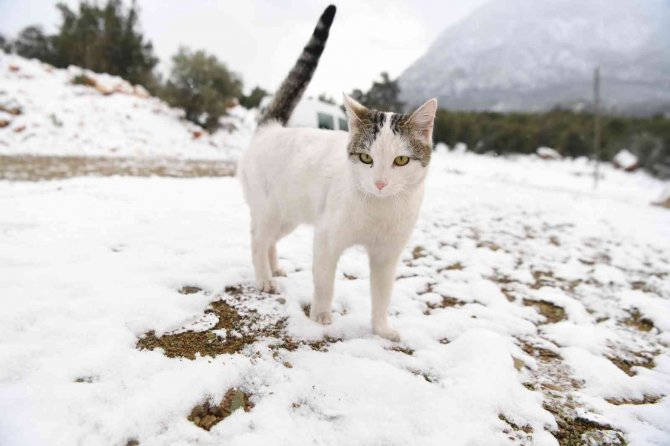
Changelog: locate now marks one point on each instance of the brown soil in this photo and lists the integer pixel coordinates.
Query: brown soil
(189, 289)
(641, 323)
(241, 330)
(446, 302)
(189, 343)
(39, 168)
(405, 350)
(648, 399)
(206, 415)
(580, 431)
(627, 364)
(458, 266)
(419, 252)
(493, 246)
(552, 313)
(526, 429)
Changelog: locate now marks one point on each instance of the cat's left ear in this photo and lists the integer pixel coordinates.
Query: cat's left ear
(423, 118)
(355, 110)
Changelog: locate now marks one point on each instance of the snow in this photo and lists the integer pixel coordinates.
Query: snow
(58, 117)
(625, 160)
(89, 265)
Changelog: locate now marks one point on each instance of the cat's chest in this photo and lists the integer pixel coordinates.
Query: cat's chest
(373, 224)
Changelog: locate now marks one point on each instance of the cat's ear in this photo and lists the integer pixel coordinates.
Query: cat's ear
(355, 110)
(423, 118)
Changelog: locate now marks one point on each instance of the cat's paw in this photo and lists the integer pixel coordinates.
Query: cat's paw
(267, 286)
(323, 318)
(387, 332)
(279, 273)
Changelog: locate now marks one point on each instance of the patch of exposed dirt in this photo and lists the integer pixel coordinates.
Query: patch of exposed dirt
(547, 278)
(40, 168)
(516, 433)
(419, 252)
(553, 378)
(551, 312)
(236, 328)
(189, 289)
(446, 302)
(583, 432)
(206, 415)
(639, 322)
(456, 266)
(493, 246)
(540, 353)
(291, 344)
(206, 343)
(425, 375)
(643, 286)
(647, 399)
(401, 349)
(86, 379)
(626, 363)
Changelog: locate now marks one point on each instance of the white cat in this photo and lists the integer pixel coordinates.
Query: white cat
(363, 187)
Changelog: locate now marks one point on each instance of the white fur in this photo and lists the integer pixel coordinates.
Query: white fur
(292, 176)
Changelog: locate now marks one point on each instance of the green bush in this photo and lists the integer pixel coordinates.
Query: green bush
(254, 98)
(568, 132)
(32, 43)
(201, 85)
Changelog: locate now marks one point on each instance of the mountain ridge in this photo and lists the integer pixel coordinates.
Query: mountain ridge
(524, 55)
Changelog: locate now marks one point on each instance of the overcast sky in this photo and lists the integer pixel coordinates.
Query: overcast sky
(261, 39)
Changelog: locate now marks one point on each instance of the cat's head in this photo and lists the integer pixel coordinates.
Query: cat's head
(389, 152)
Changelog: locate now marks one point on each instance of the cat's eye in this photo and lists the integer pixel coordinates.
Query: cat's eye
(365, 158)
(401, 160)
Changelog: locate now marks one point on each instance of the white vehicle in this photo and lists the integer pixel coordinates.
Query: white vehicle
(313, 113)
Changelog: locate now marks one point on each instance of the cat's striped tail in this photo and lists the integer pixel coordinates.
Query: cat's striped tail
(294, 85)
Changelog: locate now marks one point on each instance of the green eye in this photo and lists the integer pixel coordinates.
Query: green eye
(401, 160)
(365, 158)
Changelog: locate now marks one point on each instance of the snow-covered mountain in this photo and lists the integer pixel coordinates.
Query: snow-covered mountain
(536, 54)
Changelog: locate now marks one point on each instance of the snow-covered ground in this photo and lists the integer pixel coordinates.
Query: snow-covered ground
(42, 112)
(531, 307)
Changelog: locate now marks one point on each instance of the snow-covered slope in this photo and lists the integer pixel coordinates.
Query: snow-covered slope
(43, 112)
(530, 307)
(530, 54)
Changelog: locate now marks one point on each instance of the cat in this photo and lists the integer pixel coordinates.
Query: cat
(362, 187)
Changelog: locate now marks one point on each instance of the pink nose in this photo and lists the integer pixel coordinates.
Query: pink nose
(380, 184)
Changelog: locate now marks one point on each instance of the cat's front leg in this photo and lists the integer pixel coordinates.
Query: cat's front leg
(324, 265)
(383, 263)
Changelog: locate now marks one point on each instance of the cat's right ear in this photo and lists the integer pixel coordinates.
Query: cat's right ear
(355, 110)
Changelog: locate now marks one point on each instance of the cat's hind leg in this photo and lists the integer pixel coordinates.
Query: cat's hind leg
(262, 239)
(274, 264)
(283, 231)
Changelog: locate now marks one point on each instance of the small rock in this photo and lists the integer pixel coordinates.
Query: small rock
(547, 153)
